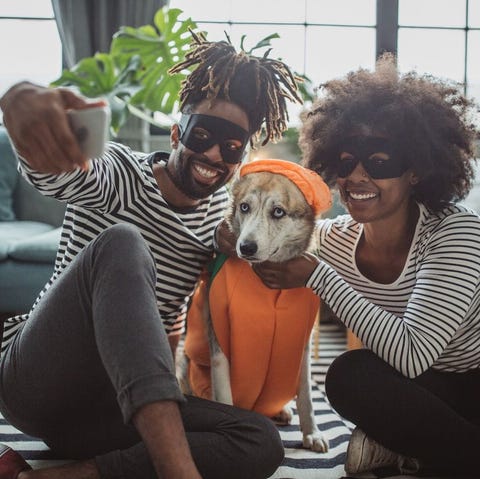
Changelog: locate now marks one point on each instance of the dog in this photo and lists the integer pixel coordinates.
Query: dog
(246, 344)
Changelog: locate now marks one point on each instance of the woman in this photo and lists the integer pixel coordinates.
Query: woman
(401, 269)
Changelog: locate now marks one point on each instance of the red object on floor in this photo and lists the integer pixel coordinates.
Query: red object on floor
(11, 463)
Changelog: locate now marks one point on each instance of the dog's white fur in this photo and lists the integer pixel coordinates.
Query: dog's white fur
(271, 221)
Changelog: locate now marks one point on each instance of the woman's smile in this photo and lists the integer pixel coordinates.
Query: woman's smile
(361, 196)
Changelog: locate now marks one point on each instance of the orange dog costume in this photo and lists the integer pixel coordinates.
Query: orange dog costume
(263, 332)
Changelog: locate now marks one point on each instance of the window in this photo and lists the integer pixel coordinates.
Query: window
(318, 38)
(441, 37)
(30, 47)
(327, 38)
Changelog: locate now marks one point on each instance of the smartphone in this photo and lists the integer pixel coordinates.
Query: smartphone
(91, 128)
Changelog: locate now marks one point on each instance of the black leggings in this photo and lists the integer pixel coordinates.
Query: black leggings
(94, 350)
(434, 417)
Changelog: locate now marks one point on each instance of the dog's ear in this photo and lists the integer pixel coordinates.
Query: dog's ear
(232, 208)
(230, 213)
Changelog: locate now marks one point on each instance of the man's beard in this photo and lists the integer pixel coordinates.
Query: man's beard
(182, 177)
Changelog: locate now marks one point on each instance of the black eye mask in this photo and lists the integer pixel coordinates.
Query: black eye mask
(362, 148)
(220, 132)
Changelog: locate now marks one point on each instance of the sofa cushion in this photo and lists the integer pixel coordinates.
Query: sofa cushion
(41, 248)
(8, 177)
(20, 283)
(13, 232)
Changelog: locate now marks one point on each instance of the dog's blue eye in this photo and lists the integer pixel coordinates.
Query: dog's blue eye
(278, 212)
(244, 207)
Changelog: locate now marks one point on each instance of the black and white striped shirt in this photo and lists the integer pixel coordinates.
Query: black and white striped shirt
(430, 315)
(121, 188)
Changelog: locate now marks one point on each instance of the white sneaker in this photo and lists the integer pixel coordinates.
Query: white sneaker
(365, 454)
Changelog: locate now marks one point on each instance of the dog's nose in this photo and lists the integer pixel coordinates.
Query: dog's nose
(248, 248)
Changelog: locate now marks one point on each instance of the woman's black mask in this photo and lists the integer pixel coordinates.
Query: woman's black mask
(363, 149)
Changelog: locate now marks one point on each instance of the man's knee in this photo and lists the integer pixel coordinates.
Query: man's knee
(267, 447)
(121, 235)
(124, 245)
(275, 450)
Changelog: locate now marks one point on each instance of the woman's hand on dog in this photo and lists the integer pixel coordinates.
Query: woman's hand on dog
(290, 274)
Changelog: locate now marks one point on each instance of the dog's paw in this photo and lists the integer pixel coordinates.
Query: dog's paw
(284, 417)
(316, 442)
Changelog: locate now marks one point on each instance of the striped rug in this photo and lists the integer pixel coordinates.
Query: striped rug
(304, 464)
(299, 463)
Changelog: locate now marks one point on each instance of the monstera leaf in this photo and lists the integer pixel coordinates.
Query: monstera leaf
(101, 76)
(159, 47)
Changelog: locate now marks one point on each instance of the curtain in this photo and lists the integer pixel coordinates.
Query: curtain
(87, 26)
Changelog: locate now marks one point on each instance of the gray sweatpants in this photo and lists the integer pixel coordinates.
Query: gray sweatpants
(94, 350)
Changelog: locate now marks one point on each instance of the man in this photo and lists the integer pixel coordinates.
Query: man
(89, 369)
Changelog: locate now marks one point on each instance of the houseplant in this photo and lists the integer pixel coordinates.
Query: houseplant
(133, 76)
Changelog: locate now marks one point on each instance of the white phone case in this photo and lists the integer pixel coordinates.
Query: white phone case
(91, 128)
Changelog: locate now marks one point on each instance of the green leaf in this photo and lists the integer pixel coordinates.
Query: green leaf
(159, 47)
(100, 76)
(306, 88)
(264, 42)
(94, 76)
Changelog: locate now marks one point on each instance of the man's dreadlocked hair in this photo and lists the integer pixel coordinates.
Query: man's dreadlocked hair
(259, 86)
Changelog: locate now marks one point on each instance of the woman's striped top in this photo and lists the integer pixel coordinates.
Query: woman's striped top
(430, 315)
(121, 188)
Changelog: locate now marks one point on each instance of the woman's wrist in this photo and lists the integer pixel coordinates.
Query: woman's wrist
(314, 281)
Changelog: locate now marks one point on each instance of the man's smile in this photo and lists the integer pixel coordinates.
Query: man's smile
(204, 173)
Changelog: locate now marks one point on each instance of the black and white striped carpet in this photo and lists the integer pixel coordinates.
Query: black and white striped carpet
(299, 463)
(304, 464)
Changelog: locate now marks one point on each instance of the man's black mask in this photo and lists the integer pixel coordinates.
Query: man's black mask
(200, 132)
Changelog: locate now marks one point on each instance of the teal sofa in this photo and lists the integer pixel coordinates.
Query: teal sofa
(29, 235)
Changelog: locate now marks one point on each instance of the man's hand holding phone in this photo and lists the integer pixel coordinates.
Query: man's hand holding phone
(37, 120)
(90, 127)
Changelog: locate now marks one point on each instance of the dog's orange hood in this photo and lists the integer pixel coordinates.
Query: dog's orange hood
(314, 189)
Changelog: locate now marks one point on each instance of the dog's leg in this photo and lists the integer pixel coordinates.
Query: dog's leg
(182, 366)
(219, 364)
(220, 372)
(312, 437)
(284, 417)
